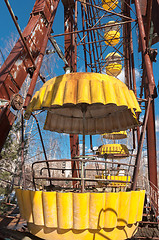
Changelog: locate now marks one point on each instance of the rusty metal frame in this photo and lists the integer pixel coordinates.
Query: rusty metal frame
(41, 55)
(92, 28)
(43, 147)
(92, 48)
(102, 9)
(82, 177)
(70, 24)
(10, 85)
(19, 31)
(146, 57)
(140, 146)
(22, 153)
(148, 84)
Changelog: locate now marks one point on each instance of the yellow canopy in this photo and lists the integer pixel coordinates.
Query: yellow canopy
(115, 135)
(110, 105)
(118, 150)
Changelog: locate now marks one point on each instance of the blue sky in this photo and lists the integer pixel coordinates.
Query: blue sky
(22, 10)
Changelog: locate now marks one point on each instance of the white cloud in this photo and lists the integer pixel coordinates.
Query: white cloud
(64, 134)
(157, 124)
(103, 71)
(81, 148)
(137, 74)
(82, 69)
(121, 76)
(95, 148)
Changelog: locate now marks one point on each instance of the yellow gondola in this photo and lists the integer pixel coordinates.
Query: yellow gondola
(112, 34)
(113, 150)
(115, 135)
(109, 4)
(113, 64)
(83, 103)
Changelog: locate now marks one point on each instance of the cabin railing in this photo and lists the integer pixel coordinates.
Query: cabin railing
(107, 175)
(152, 194)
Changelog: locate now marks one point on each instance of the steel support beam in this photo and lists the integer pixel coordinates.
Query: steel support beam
(147, 61)
(19, 62)
(70, 24)
(126, 42)
(22, 150)
(140, 146)
(151, 129)
(150, 90)
(43, 146)
(151, 146)
(7, 119)
(41, 54)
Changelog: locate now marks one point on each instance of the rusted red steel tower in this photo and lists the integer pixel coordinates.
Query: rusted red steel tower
(70, 25)
(21, 60)
(147, 16)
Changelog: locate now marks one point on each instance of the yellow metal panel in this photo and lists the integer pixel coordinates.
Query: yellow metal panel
(109, 4)
(100, 234)
(64, 210)
(70, 92)
(115, 135)
(126, 93)
(20, 202)
(27, 205)
(106, 211)
(37, 207)
(141, 205)
(134, 203)
(112, 38)
(58, 90)
(40, 98)
(124, 207)
(49, 209)
(118, 178)
(81, 210)
(122, 94)
(111, 209)
(113, 69)
(97, 93)
(96, 210)
(113, 149)
(83, 90)
(109, 90)
(48, 95)
(135, 102)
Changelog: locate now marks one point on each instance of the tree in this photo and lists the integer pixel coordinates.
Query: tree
(10, 162)
(11, 153)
